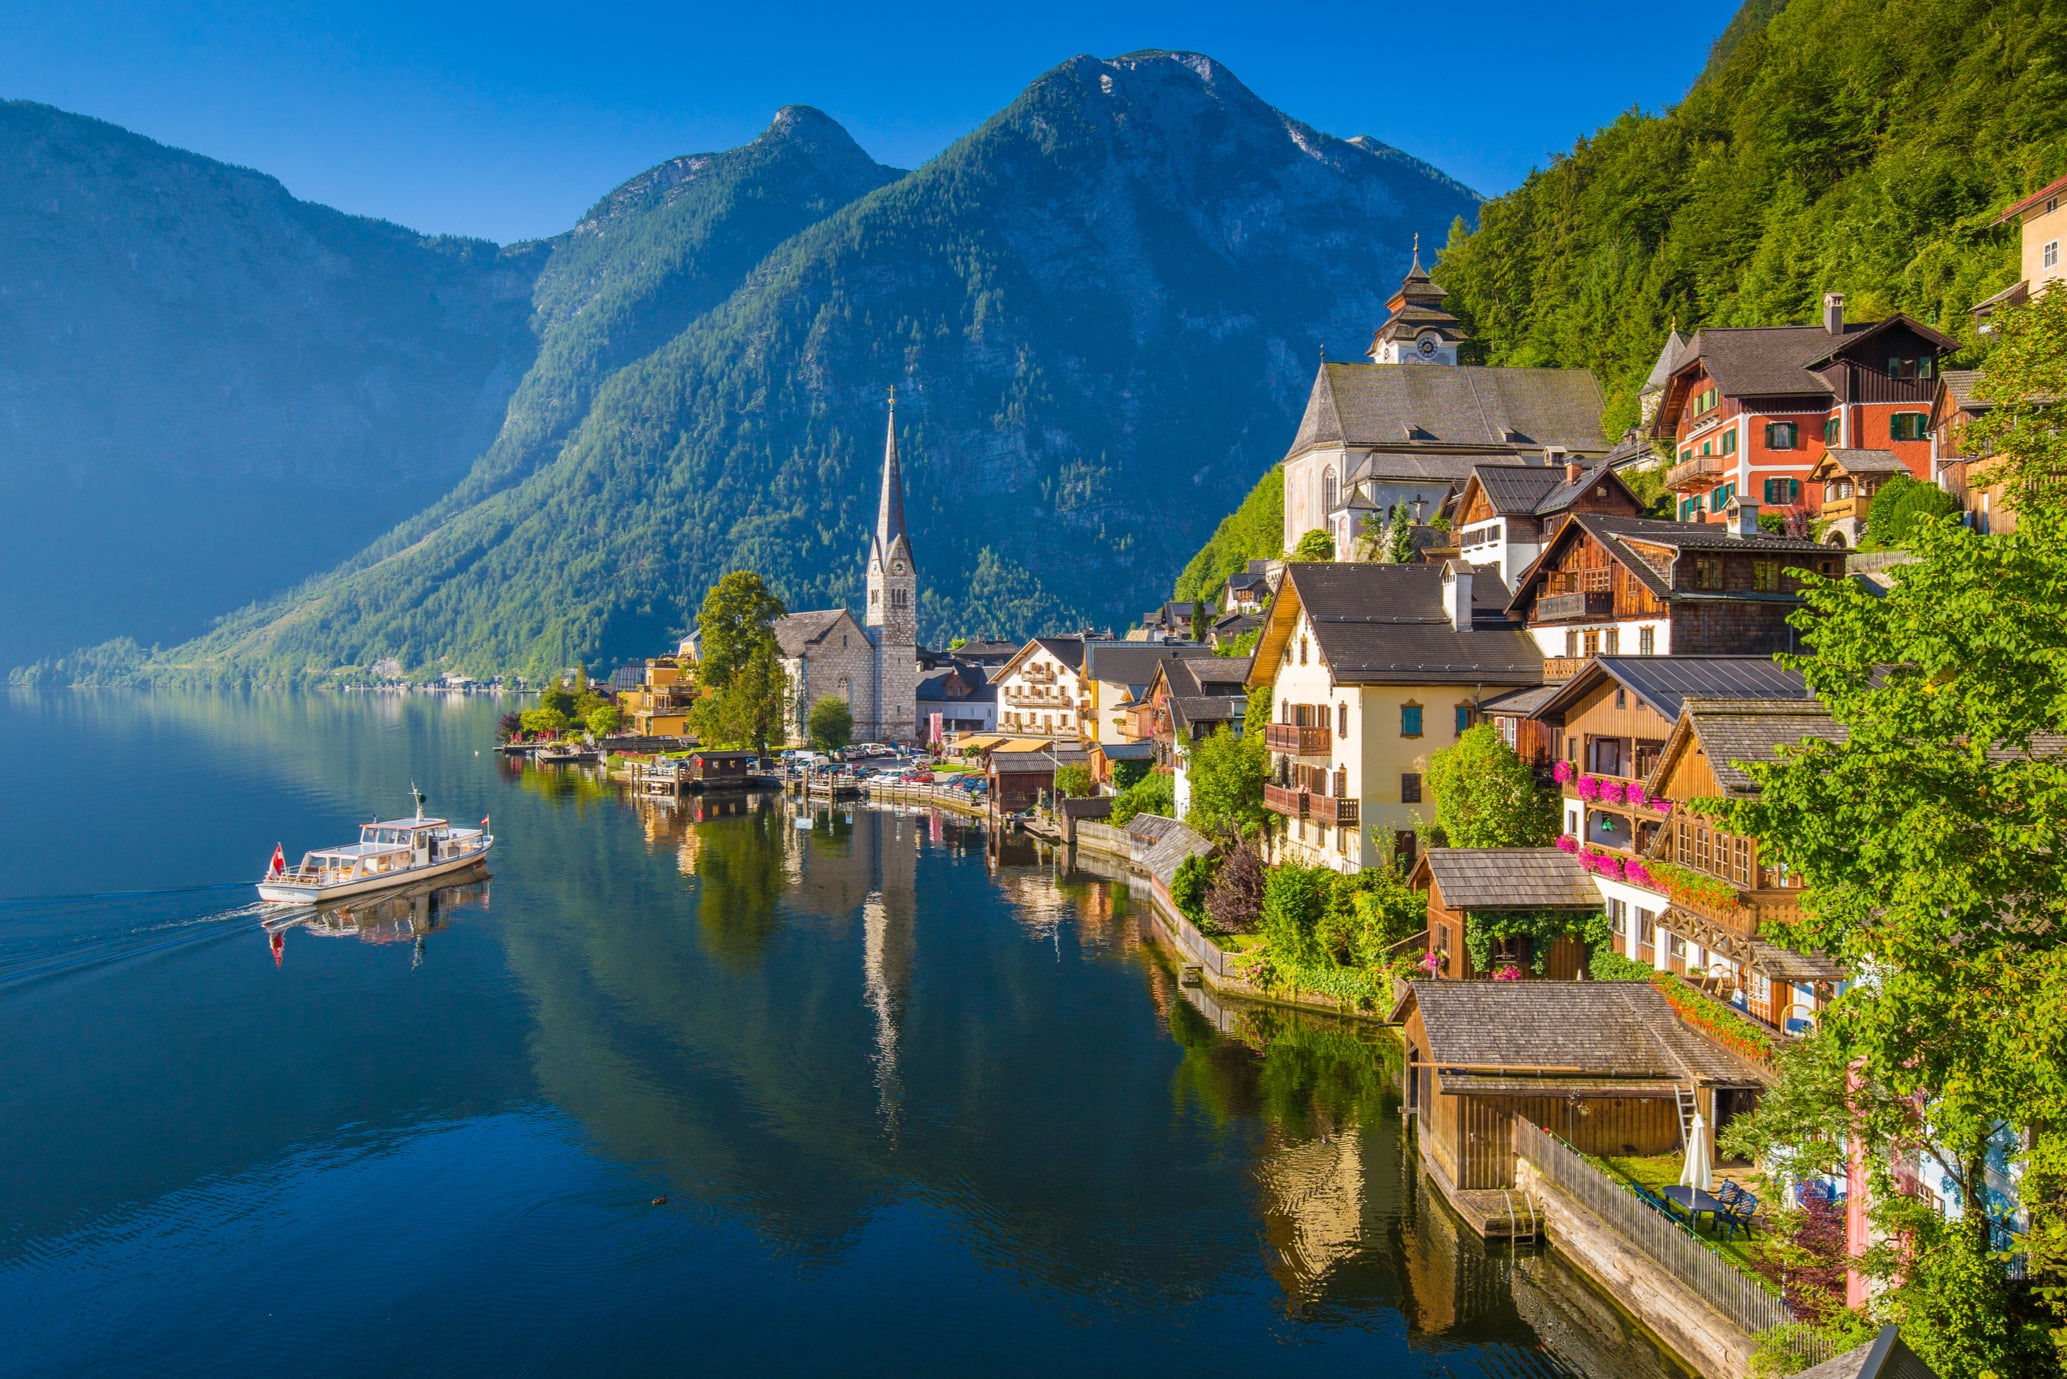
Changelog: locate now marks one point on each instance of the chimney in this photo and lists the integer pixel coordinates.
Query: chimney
(1742, 517)
(1573, 469)
(1457, 594)
(1834, 312)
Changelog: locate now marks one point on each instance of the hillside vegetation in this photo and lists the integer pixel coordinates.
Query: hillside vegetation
(1854, 145)
(1253, 531)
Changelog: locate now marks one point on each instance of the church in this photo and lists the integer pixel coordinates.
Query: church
(1411, 425)
(871, 663)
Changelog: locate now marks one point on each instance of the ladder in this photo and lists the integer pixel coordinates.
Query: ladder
(1685, 1097)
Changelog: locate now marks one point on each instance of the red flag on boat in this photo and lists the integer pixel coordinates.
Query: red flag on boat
(279, 943)
(279, 860)
(484, 824)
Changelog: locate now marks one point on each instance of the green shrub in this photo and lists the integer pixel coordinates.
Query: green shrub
(1607, 965)
(1154, 793)
(1073, 781)
(1189, 886)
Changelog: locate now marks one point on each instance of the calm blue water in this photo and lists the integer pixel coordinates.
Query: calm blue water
(916, 1102)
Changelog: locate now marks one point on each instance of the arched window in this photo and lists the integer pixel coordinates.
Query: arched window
(845, 690)
(1330, 489)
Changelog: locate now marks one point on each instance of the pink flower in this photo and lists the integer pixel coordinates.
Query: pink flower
(1636, 872)
(1431, 963)
(1507, 973)
(1636, 794)
(1665, 807)
(1561, 772)
(1589, 787)
(1567, 843)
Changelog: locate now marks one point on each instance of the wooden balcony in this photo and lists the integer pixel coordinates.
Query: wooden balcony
(1837, 509)
(1589, 603)
(1699, 472)
(1295, 740)
(1332, 809)
(1563, 667)
(1287, 800)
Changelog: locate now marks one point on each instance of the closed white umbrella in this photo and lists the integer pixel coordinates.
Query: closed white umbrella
(1695, 1173)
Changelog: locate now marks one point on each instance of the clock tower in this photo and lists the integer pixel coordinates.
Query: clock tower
(1418, 331)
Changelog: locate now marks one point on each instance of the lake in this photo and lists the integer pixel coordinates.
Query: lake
(887, 1095)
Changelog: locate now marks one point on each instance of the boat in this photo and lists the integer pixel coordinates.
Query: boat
(389, 853)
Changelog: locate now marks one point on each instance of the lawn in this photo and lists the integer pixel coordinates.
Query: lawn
(1659, 1171)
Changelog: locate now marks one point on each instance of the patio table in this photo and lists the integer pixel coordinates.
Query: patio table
(1694, 1202)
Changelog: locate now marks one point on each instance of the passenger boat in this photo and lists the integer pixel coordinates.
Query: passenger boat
(389, 853)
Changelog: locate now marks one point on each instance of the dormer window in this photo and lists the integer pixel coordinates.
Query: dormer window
(1910, 368)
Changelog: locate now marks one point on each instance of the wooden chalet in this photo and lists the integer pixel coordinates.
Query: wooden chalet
(1505, 512)
(1711, 927)
(1962, 472)
(1489, 882)
(1607, 1066)
(1750, 411)
(1845, 482)
(1625, 585)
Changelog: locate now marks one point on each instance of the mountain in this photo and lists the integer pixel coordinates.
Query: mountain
(209, 389)
(1863, 146)
(1102, 311)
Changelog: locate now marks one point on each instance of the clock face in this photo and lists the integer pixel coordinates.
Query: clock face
(1427, 345)
(898, 568)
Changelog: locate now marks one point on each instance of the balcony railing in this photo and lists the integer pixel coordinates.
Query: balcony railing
(1332, 809)
(1695, 473)
(1295, 740)
(1591, 603)
(1562, 667)
(1287, 800)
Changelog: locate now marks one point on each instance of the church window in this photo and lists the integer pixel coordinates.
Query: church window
(1330, 489)
(873, 595)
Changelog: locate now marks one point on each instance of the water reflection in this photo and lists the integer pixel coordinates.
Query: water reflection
(409, 915)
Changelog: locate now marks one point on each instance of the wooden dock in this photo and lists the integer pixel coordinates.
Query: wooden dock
(1496, 1213)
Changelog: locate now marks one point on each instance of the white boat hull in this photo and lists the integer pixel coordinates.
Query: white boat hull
(288, 892)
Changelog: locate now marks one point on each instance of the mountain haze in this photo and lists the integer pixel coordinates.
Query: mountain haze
(1102, 311)
(209, 389)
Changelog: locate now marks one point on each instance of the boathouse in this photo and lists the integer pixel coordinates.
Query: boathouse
(1505, 889)
(1607, 1066)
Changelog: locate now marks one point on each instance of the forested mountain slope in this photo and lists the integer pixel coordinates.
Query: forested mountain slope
(1854, 145)
(1102, 311)
(209, 389)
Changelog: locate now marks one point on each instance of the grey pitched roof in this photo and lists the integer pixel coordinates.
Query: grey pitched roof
(1127, 751)
(1521, 703)
(981, 691)
(1192, 711)
(796, 633)
(1669, 360)
(1886, 1356)
(1068, 651)
(1769, 361)
(1208, 675)
(1603, 1029)
(1395, 466)
(1514, 490)
(1865, 461)
(1666, 682)
(1385, 624)
(1487, 409)
(1959, 389)
(1512, 879)
(1750, 730)
(1135, 663)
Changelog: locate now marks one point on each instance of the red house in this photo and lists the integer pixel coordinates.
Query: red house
(1750, 411)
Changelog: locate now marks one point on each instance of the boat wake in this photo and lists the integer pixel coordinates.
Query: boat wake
(49, 938)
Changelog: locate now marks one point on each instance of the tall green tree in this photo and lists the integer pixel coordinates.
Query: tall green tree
(1933, 839)
(1486, 796)
(740, 670)
(1226, 775)
(830, 725)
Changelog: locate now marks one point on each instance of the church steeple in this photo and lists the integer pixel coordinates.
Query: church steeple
(893, 581)
(1418, 331)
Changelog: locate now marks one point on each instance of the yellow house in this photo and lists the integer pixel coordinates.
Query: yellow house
(2042, 219)
(660, 707)
(1372, 669)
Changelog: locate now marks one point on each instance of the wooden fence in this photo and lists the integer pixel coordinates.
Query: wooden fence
(1672, 1246)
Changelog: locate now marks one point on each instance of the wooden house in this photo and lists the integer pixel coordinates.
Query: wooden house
(1505, 512)
(709, 768)
(1607, 586)
(1721, 888)
(1751, 410)
(1845, 482)
(1961, 471)
(1607, 1066)
(1491, 882)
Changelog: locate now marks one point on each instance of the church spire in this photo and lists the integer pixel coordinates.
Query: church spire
(890, 506)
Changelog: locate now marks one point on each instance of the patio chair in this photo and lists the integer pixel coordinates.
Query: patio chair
(1728, 1193)
(1654, 1201)
(1737, 1217)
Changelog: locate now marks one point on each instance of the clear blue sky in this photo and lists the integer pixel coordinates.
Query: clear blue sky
(508, 120)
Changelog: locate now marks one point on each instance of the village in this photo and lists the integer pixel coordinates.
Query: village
(1475, 753)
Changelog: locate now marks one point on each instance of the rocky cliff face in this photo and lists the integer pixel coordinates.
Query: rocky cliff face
(210, 390)
(1102, 310)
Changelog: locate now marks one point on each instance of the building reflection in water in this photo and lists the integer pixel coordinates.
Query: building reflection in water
(409, 916)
